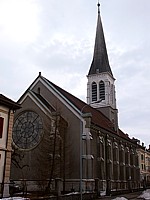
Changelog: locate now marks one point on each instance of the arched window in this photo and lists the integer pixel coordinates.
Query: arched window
(115, 161)
(101, 157)
(102, 90)
(111, 93)
(94, 91)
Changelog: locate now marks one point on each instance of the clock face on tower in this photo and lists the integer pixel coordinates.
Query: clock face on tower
(27, 130)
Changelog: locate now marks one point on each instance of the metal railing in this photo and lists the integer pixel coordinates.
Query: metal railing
(59, 187)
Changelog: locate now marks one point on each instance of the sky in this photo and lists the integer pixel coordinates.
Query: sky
(57, 39)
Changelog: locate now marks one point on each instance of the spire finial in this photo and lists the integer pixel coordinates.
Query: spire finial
(98, 4)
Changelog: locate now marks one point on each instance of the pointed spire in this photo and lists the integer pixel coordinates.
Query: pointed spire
(98, 4)
(100, 61)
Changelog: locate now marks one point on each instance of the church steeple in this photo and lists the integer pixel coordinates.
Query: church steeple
(100, 61)
(100, 87)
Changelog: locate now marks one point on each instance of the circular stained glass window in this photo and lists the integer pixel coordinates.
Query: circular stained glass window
(27, 130)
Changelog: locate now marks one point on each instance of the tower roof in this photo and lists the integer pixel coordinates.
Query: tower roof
(100, 62)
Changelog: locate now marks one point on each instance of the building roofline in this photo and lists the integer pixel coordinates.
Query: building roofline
(8, 102)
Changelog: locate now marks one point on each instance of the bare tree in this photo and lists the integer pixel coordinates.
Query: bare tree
(17, 157)
(52, 152)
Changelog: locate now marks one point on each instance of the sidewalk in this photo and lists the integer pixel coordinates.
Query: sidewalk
(132, 196)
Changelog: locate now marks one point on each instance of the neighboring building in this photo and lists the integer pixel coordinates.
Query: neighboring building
(144, 162)
(148, 166)
(7, 108)
(52, 123)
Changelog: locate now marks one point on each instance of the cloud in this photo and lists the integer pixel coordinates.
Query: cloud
(132, 69)
(18, 20)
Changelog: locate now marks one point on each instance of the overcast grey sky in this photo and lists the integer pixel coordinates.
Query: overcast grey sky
(57, 38)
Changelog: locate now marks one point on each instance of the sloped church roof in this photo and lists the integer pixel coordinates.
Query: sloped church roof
(98, 118)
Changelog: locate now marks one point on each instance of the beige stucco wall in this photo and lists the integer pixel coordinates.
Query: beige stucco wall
(5, 148)
(4, 114)
(9, 148)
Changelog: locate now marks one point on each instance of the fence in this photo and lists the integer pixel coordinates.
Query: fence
(58, 187)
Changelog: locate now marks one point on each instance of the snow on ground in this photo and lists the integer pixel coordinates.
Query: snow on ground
(145, 194)
(15, 198)
(102, 193)
(120, 198)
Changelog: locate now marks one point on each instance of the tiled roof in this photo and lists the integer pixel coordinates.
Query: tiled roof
(98, 118)
(8, 102)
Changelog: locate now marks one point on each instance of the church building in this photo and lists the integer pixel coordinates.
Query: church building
(57, 135)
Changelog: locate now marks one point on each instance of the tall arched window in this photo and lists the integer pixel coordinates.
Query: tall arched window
(102, 90)
(122, 162)
(111, 93)
(94, 91)
(115, 161)
(127, 163)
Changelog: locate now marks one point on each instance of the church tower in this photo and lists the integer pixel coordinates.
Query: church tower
(100, 86)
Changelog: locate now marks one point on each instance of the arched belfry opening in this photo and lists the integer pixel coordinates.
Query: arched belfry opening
(102, 90)
(94, 91)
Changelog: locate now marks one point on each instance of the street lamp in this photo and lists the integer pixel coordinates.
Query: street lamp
(81, 131)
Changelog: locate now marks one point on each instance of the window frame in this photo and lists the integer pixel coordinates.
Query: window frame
(1, 126)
